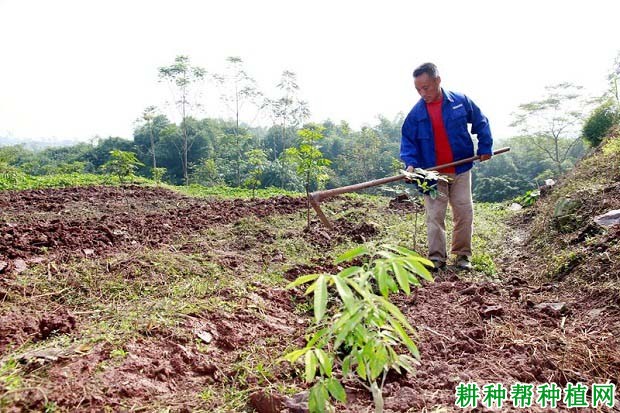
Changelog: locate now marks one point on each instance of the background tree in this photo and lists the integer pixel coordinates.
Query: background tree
(122, 164)
(16, 156)
(147, 136)
(148, 116)
(206, 173)
(605, 117)
(510, 175)
(225, 142)
(237, 90)
(100, 154)
(281, 173)
(52, 160)
(257, 161)
(288, 110)
(311, 166)
(169, 152)
(613, 91)
(364, 157)
(552, 124)
(183, 76)
(169, 146)
(75, 167)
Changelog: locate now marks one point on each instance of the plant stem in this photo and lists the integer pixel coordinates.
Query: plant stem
(308, 205)
(415, 231)
(377, 397)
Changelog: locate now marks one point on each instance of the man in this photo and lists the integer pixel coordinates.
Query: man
(435, 133)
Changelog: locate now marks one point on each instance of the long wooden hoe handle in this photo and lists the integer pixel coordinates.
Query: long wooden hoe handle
(316, 197)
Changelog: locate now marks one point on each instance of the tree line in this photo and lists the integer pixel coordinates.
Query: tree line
(554, 132)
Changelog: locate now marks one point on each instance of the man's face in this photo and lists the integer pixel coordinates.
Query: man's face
(428, 88)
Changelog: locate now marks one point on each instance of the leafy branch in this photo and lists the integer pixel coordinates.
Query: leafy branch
(425, 180)
(361, 331)
(122, 164)
(311, 165)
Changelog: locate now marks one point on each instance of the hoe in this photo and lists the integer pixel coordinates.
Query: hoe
(316, 197)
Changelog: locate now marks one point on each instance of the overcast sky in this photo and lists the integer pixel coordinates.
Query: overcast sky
(77, 69)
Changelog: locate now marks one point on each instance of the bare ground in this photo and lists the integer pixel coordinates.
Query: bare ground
(519, 327)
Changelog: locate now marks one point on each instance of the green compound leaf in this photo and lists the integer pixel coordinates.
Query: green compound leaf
(316, 337)
(294, 355)
(311, 364)
(302, 280)
(325, 361)
(352, 253)
(336, 390)
(345, 292)
(317, 398)
(346, 366)
(401, 277)
(347, 324)
(396, 313)
(417, 267)
(382, 279)
(401, 250)
(320, 298)
(405, 337)
(350, 271)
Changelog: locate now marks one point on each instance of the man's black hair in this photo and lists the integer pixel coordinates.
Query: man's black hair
(428, 68)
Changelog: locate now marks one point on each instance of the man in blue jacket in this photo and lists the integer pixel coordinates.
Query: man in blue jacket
(435, 133)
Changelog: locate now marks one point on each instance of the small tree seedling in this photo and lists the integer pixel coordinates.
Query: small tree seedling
(361, 332)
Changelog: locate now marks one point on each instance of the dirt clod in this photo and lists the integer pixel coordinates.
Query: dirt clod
(491, 311)
(61, 322)
(553, 309)
(264, 402)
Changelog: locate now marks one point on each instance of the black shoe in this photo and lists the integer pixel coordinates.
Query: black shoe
(438, 265)
(463, 262)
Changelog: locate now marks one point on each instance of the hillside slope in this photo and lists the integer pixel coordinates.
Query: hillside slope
(564, 241)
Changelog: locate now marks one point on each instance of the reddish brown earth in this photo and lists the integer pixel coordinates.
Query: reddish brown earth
(54, 226)
(487, 332)
(404, 202)
(99, 220)
(479, 331)
(165, 365)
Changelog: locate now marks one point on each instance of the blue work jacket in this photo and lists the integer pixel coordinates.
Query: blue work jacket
(417, 145)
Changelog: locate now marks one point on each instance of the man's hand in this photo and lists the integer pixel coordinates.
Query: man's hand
(410, 168)
(485, 157)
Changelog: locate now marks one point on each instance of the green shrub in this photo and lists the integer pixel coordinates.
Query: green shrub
(529, 198)
(484, 263)
(601, 122)
(10, 176)
(122, 164)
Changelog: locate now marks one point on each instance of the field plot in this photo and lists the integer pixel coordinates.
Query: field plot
(142, 299)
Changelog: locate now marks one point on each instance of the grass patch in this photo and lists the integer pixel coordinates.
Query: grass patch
(484, 263)
(23, 181)
(227, 192)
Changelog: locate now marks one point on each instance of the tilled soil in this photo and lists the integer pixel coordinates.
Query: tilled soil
(482, 331)
(166, 366)
(100, 220)
(487, 332)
